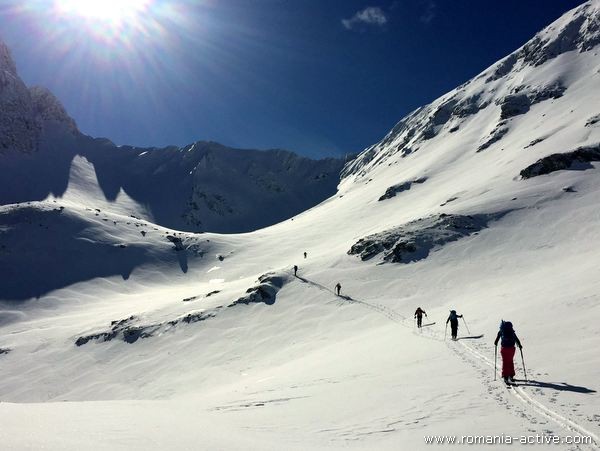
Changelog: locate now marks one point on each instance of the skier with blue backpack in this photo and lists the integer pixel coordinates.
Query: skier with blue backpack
(453, 319)
(507, 338)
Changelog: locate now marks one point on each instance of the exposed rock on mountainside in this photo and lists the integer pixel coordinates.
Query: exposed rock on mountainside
(560, 161)
(265, 292)
(395, 189)
(523, 97)
(415, 240)
(23, 111)
(132, 329)
(506, 90)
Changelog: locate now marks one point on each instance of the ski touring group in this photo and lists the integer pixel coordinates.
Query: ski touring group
(506, 336)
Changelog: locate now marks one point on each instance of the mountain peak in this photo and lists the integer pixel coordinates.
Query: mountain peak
(7, 64)
(25, 112)
(48, 108)
(542, 70)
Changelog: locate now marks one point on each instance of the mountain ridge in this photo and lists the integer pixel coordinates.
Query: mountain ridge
(203, 186)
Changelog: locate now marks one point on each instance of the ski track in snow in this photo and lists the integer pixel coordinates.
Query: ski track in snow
(535, 405)
(528, 403)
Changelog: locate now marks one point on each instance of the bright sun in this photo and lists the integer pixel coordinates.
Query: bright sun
(113, 11)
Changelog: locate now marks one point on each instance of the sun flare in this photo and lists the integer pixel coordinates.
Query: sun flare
(112, 11)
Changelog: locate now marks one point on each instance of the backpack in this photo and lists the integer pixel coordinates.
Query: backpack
(453, 316)
(507, 335)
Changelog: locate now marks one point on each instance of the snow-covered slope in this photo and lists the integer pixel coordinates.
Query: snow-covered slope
(207, 340)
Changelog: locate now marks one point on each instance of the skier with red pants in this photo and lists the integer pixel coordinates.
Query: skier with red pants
(507, 338)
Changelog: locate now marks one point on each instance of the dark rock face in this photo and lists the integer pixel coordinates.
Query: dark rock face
(120, 328)
(534, 142)
(496, 135)
(176, 241)
(513, 105)
(414, 241)
(192, 318)
(265, 292)
(592, 120)
(582, 34)
(504, 67)
(469, 106)
(395, 189)
(560, 161)
(439, 117)
(523, 97)
(24, 111)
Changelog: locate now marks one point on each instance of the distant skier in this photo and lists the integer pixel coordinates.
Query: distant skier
(508, 338)
(295, 270)
(453, 319)
(305, 255)
(419, 315)
(338, 288)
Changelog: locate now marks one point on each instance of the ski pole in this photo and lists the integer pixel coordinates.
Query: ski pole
(495, 361)
(523, 360)
(445, 331)
(463, 318)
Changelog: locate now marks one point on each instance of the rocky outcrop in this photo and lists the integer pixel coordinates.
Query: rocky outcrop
(265, 292)
(496, 135)
(24, 112)
(581, 33)
(592, 120)
(131, 329)
(523, 97)
(415, 240)
(177, 242)
(577, 159)
(395, 189)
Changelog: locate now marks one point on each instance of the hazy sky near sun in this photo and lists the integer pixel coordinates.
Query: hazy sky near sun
(320, 77)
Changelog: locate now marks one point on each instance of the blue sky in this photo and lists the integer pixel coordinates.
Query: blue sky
(319, 77)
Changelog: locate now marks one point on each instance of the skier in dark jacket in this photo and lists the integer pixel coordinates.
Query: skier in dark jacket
(295, 269)
(338, 288)
(453, 319)
(507, 338)
(419, 315)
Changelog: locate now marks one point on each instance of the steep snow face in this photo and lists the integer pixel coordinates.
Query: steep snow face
(518, 96)
(237, 191)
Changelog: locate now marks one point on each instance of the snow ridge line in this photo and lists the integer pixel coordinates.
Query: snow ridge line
(537, 406)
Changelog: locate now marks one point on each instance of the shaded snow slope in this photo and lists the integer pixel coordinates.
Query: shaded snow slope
(210, 339)
(201, 187)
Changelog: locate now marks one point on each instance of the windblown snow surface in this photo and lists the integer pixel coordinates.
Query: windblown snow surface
(117, 333)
